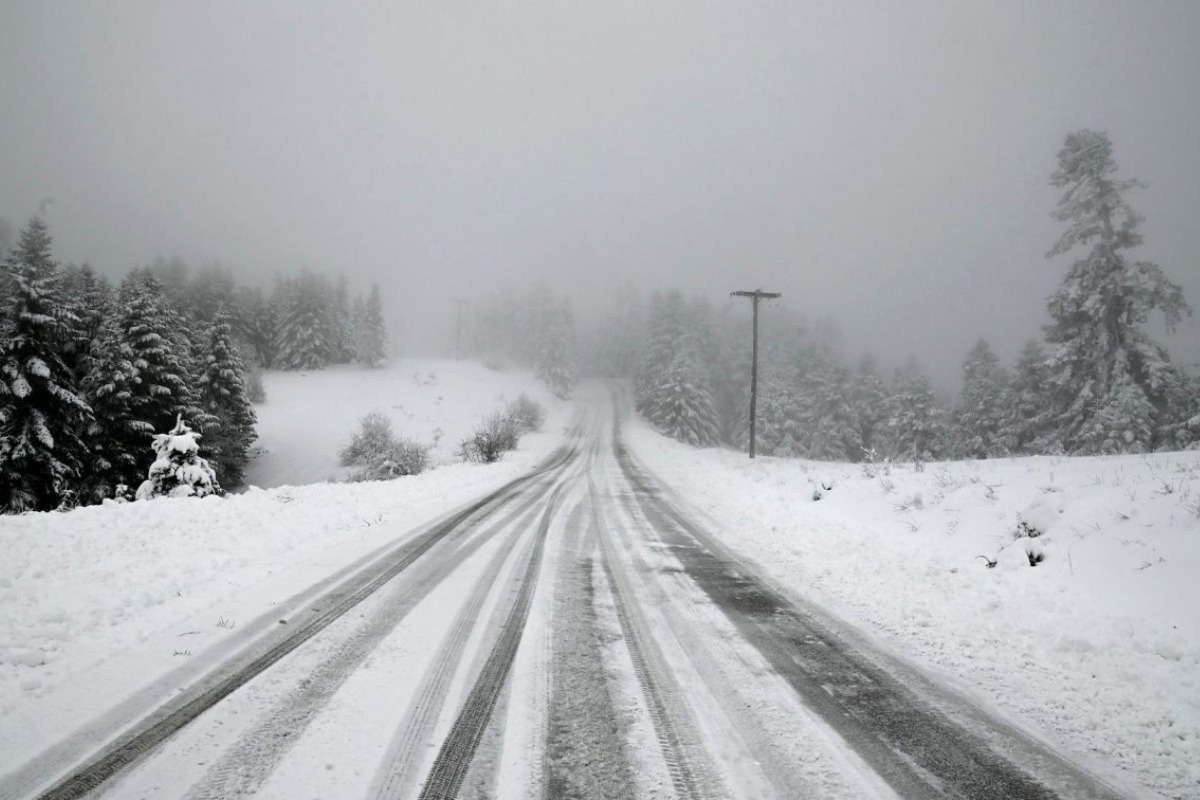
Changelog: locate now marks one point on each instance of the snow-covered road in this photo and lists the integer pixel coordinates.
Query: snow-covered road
(576, 633)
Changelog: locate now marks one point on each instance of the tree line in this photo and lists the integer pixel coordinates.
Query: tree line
(91, 372)
(1096, 383)
(533, 328)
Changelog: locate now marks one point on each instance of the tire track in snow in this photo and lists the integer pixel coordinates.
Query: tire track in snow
(396, 772)
(245, 767)
(687, 764)
(921, 753)
(585, 757)
(454, 758)
(164, 722)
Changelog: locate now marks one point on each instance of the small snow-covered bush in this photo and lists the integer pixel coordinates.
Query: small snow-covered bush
(403, 457)
(381, 454)
(527, 413)
(374, 438)
(491, 440)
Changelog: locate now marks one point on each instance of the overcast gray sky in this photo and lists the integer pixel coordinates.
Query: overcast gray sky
(885, 163)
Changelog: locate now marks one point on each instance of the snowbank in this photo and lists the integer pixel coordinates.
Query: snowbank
(1097, 646)
(89, 586)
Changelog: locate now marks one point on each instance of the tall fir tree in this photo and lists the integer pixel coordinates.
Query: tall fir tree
(555, 363)
(305, 336)
(984, 406)
(223, 394)
(256, 322)
(139, 382)
(916, 427)
(1028, 426)
(1107, 376)
(41, 411)
(870, 404)
(89, 298)
(371, 340)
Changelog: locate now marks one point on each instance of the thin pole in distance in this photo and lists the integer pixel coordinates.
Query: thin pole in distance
(755, 296)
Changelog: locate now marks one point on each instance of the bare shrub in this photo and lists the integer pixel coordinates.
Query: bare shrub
(527, 413)
(494, 437)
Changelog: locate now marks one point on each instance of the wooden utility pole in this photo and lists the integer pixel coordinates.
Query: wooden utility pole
(458, 329)
(755, 296)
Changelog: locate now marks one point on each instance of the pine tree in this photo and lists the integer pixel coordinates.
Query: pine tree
(370, 346)
(344, 341)
(983, 407)
(178, 469)
(916, 428)
(222, 393)
(1028, 427)
(682, 404)
(256, 322)
(828, 416)
(870, 405)
(89, 297)
(138, 382)
(554, 365)
(41, 412)
(674, 388)
(305, 338)
(1107, 376)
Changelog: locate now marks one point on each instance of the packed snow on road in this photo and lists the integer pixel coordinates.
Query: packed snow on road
(1057, 593)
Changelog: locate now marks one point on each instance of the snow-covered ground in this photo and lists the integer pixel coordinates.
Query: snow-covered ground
(1096, 648)
(308, 417)
(139, 584)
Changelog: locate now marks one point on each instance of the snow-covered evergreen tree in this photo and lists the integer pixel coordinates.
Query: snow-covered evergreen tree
(916, 426)
(674, 388)
(345, 347)
(870, 404)
(223, 394)
(681, 402)
(555, 363)
(139, 381)
(257, 323)
(984, 406)
(1107, 376)
(305, 335)
(371, 339)
(41, 412)
(89, 298)
(1028, 426)
(178, 470)
(828, 418)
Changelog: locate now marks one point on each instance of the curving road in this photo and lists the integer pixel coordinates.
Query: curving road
(575, 634)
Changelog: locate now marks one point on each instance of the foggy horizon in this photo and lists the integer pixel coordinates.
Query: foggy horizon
(887, 167)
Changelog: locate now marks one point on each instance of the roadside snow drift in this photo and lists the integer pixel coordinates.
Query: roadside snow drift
(1087, 627)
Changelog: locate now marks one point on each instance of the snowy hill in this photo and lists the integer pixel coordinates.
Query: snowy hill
(308, 417)
(1097, 647)
(99, 601)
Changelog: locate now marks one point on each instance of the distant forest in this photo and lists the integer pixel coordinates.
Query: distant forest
(1096, 384)
(90, 372)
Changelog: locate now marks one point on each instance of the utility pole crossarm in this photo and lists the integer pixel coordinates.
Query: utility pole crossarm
(755, 296)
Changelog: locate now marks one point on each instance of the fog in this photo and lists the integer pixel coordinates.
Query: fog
(882, 163)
